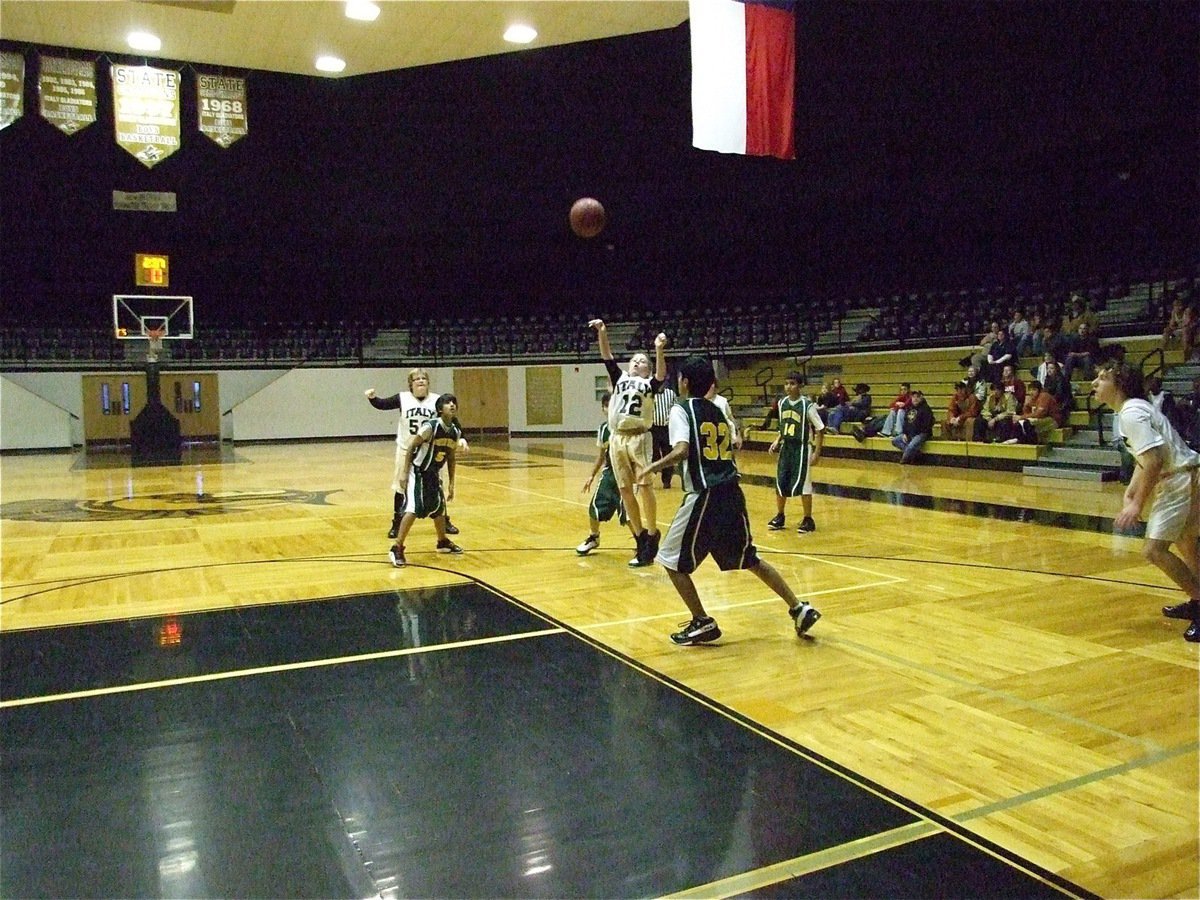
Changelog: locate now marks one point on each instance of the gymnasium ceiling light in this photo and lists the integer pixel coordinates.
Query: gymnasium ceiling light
(330, 64)
(520, 34)
(363, 10)
(143, 40)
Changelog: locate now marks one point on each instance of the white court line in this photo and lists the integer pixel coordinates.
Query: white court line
(894, 579)
(282, 667)
(842, 565)
(739, 605)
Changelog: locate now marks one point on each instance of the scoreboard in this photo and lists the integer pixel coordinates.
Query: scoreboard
(151, 270)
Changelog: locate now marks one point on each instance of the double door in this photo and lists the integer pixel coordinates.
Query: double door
(112, 400)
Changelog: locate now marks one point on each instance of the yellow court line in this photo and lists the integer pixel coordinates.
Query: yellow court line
(282, 667)
(758, 879)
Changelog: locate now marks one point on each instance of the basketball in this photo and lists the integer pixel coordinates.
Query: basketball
(587, 217)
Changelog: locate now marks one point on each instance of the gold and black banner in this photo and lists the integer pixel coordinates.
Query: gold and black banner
(12, 87)
(146, 112)
(221, 106)
(67, 92)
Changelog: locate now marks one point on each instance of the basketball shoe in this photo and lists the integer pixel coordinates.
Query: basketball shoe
(395, 529)
(697, 631)
(805, 617)
(451, 528)
(1187, 610)
(396, 555)
(806, 525)
(445, 545)
(777, 523)
(592, 542)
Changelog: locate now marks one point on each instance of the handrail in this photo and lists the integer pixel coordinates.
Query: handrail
(770, 370)
(1162, 362)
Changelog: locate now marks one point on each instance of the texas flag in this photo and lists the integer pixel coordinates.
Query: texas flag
(744, 76)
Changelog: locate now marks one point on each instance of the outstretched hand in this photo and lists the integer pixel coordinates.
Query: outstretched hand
(598, 324)
(370, 392)
(660, 341)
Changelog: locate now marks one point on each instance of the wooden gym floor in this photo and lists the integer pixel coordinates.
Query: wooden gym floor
(215, 685)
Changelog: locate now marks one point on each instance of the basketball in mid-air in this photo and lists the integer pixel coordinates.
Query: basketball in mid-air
(587, 217)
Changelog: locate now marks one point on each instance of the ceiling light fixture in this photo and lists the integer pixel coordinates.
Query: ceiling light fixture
(520, 34)
(363, 10)
(330, 64)
(143, 40)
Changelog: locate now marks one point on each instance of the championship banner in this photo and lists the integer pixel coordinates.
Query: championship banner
(146, 112)
(12, 87)
(221, 105)
(67, 91)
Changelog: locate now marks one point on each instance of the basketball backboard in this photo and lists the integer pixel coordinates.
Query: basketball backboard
(134, 315)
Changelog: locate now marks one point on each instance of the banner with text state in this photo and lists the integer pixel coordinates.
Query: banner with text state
(12, 87)
(67, 92)
(146, 112)
(221, 106)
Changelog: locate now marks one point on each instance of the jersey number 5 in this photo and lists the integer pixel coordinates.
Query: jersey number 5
(716, 441)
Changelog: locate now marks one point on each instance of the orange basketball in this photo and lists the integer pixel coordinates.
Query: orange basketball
(587, 217)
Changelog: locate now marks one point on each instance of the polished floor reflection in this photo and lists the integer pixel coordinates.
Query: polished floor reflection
(429, 743)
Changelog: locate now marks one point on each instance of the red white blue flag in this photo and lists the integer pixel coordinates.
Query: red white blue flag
(744, 76)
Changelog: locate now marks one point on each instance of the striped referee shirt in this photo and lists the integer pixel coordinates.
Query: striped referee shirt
(663, 401)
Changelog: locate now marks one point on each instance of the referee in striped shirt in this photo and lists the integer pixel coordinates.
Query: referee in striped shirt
(663, 401)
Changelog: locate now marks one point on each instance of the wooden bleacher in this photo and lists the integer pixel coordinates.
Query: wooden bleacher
(754, 385)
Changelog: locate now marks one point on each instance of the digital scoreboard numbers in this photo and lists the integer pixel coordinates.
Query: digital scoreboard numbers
(151, 270)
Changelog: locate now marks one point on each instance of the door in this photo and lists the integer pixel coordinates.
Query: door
(482, 399)
(110, 403)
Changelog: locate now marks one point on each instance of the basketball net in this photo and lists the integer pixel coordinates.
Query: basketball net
(154, 337)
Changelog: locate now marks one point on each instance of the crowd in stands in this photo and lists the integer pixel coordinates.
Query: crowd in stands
(1032, 318)
(993, 404)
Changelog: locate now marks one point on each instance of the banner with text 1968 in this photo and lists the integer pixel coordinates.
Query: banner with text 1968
(67, 90)
(146, 112)
(221, 104)
(12, 87)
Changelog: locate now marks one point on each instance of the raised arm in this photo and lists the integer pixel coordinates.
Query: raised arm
(660, 357)
(602, 338)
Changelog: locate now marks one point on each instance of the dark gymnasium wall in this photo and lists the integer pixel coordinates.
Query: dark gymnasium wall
(939, 145)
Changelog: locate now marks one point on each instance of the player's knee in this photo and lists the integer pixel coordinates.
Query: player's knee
(1155, 552)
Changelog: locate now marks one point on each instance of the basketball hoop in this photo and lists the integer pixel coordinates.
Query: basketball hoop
(154, 337)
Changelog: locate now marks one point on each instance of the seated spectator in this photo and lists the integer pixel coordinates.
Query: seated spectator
(978, 356)
(978, 386)
(1080, 314)
(857, 410)
(1056, 383)
(1003, 352)
(1054, 341)
(961, 414)
(917, 429)
(1020, 332)
(995, 424)
(893, 423)
(1012, 384)
(1187, 410)
(1039, 416)
(1162, 400)
(1176, 320)
(1189, 333)
(831, 397)
(1082, 351)
(1043, 368)
(1037, 327)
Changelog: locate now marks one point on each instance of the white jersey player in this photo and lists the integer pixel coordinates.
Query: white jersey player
(417, 406)
(630, 415)
(1167, 475)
